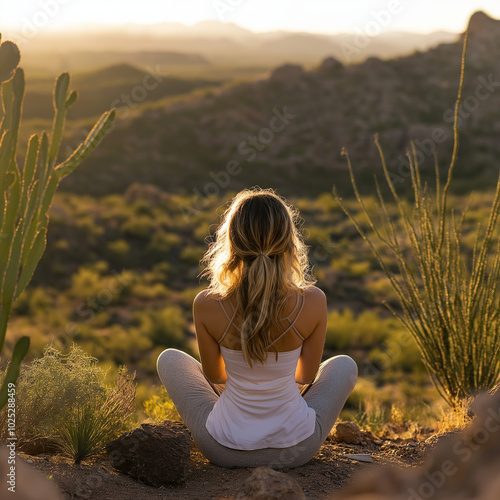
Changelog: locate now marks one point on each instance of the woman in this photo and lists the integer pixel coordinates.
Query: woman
(260, 327)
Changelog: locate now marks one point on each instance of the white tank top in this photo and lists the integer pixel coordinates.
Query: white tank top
(261, 407)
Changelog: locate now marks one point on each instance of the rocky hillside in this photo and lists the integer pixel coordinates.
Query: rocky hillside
(288, 130)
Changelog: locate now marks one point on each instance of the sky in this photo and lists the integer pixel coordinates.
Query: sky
(317, 16)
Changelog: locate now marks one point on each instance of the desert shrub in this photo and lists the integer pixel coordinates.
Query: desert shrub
(159, 407)
(363, 331)
(97, 289)
(86, 282)
(89, 426)
(192, 254)
(146, 291)
(119, 248)
(381, 410)
(162, 242)
(164, 326)
(354, 267)
(380, 289)
(397, 352)
(53, 381)
(119, 344)
(140, 227)
(372, 418)
(449, 298)
(59, 396)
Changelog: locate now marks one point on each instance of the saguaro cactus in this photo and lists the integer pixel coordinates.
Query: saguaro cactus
(25, 196)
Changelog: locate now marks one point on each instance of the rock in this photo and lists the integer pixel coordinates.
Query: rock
(329, 66)
(482, 25)
(368, 436)
(432, 441)
(286, 73)
(361, 457)
(347, 432)
(29, 483)
(461, 465)
(158, 455)
(267, 484)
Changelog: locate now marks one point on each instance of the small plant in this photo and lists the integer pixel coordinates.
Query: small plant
(85, 432)
(89, 412)
(160, 407)
(450, 306)
(372, 417)
(456, 418)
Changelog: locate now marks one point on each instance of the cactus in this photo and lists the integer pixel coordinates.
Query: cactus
(26, 196)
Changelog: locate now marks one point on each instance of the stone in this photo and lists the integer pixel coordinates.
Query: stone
(286, 73)
(460, 465)
(158, 455)
(267, 484)
(484, 26)
(347, 432)
(28, 483)
(329, 66)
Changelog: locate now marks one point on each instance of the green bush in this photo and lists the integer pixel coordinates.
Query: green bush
(165, 327)
(118, 344)
(162, 243)
(119, 248)
(64, 397)
(344, 330)
(159, 407)
(89, 426)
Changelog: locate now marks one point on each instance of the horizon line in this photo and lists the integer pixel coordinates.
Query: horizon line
(89, 26)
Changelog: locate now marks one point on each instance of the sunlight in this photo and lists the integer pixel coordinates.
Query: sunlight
(319, 16)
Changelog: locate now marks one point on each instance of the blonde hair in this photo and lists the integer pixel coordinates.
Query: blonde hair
(259, 256)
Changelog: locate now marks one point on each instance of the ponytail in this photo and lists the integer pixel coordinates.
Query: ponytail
(258, 256)
(258, 298)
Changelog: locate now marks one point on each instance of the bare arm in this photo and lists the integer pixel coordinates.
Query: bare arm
(312, 348)
(211, 357)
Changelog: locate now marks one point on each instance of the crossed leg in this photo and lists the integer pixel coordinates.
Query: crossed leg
(194, 397)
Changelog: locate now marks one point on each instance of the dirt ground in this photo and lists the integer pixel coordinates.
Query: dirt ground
(328, 471)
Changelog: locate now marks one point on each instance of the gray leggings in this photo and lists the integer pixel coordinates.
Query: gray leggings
(194, 396)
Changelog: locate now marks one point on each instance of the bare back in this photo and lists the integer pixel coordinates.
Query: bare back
(298, 323)
(309, 333)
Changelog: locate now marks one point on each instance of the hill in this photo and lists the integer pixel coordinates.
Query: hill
(288, 129)
(112, 86)
(213, 41)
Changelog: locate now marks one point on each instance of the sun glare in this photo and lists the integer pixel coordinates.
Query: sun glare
(259, 15)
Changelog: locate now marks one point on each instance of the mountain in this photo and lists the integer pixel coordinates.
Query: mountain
(287, 130)
(482, 26)
(213, 41)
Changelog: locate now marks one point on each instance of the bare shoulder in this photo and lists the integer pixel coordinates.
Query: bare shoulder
(315, 295)
(203, 299)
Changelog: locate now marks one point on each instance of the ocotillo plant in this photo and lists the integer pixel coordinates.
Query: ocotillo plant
(450, 306)
(26, 195)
